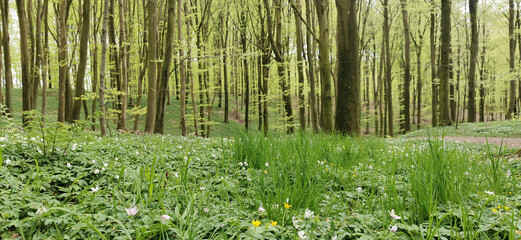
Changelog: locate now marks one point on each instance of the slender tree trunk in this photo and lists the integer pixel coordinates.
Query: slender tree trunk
(322, 7)
(348, 106)
(483, 74)
(311, 69)
(388, 70)
(163, 80)
(300, 67)
(152, 58)
(61, 19)
(474, 45)
(4, 7)
(512, 60)
(434, 99)
(84, 38)
(24, 52)
(189, 69)
(45, 55)
(407, 67)
(245, 71)
(182, 69)
(122, 122)
(103, 67)
(445, 118)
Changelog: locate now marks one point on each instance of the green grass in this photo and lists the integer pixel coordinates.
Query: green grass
(214, 188)
(506, 129)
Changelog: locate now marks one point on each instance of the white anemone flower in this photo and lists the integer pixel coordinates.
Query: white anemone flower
(393, 228)
(394, 215)
(132, 211)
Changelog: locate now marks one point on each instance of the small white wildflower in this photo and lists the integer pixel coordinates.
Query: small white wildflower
(41, 210)
(359, 189)
(176, 174)
(370, 167)
(69, 166)
(202, 188)
(93, 161)
(206, 210)
(242, 164)
(96, 171)
(308, 213)
(267, 164)
(394, 215)
(74, 146)
(94, 189)
(7, 161)
(132, 211)
(261, 209)
(508, 173)
(489, 192)
(164, 218)
(245, 163)
(334, 238)
(393, 228)
(116, 177)
(302, 235)
(106, 165)
(295, 222)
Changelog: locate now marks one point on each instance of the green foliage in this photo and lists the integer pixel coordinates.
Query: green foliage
(65, 182)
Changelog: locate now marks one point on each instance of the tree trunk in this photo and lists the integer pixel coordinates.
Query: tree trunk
(348, 106)
(62, 29)
(182, 69)
(152, 58)
(24, 52)
(45, 56)
(434, 99)
(388, 70)
(322, 7)
(311, 69)
(483, 74)
(122, 122)
(445, 119)
(473, 4)
(103, 67)
(512, 59)
(163, 80)
(407, 67)
(300, 67)
(84, 38)
(4, 7)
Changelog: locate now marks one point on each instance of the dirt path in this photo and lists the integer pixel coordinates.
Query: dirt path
(508, 142)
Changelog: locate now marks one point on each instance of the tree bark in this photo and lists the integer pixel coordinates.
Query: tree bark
(388, 70)
(152, 58)
(165, 71)
(103, 67)
(82, 66)
(512, 59)
(445, 119)
(300, 67)
(311, 69)
(182, 69)
(474, 45)
(434, 99)
(4, 7)
(322, 7)
(122, 122)
(24, 52)
(63, 14)
(407, 67)
(348, 106)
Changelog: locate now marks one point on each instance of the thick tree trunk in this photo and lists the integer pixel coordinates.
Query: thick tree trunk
(322, 7)
(61, 19)
(152, 58)
(483, 73)
(4, 7)
(348, 106)
(165, 71)
(84, 39)
(473, 4)
(445, 118)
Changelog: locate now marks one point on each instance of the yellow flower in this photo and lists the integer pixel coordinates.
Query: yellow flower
(498, 206)
(273, 223)
(506, 208)
(266, 172)
(494, 210)
(286, 205)
(256, 223)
